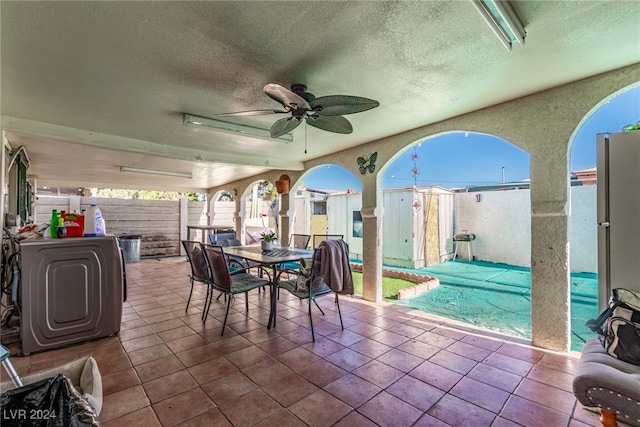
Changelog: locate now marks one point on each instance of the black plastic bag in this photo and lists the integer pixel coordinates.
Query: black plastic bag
(49, 402)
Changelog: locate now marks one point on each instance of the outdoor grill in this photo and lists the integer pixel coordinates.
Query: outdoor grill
(463, 237)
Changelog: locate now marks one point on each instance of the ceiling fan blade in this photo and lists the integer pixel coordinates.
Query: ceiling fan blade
(338, 105)
(283, 126)
(336, 124)
(251, 113)
(286, 97)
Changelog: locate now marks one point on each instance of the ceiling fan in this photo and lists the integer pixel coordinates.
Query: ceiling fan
(323, 113)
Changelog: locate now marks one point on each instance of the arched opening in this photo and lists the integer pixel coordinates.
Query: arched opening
(259, 208)
(469, 184)
(587, 249)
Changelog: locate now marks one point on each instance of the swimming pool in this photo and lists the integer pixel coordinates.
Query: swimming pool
(498, 297)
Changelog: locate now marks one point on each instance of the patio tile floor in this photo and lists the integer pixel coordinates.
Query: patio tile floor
(392, 365)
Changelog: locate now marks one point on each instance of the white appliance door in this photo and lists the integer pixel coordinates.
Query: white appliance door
(618, 214)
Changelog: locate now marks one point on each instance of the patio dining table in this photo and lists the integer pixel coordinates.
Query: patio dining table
(272, 259)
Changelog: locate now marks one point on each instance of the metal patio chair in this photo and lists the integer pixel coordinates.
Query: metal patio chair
(198, 265)
(221, 279)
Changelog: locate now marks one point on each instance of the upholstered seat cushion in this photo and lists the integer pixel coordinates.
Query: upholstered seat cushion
(602, 381)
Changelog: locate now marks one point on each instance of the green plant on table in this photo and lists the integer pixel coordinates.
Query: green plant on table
(268, 236)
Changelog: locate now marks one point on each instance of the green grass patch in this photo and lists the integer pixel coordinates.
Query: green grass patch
(390, 286)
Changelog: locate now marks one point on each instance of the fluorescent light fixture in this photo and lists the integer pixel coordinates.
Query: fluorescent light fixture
(155, 172)
(233, 128)
(502, 20)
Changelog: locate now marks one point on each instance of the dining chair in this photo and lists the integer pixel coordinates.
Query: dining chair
(308, 284)
(319, 238)
(300, 241)
(220, 279)
(198, 265)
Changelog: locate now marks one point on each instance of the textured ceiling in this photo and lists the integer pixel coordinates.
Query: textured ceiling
(89, 86)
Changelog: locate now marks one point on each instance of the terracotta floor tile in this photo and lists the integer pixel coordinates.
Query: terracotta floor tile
(320, 409)
(175, 333)
(288, 389)
(353, 390)
(141, 342)
(370, 348)
(323, 347)
(348, 359)
(228, 387)
(407, 330)
(169, 386)
(212, 417)
(148, 354)
(247, 356)
(122, 403)
(400, 360)
(452, 361)
(158, 318)
(167, 325)
(378, 373)
(282, 419)
(389, 338)
(387, 410)
(470, 351)
(197, 355)
(118, 381)
(488, 343)
(182, 407)
(436, 375)
(355, 419)
(532, 414)
(158, 368)
(297, 358)
(144, 417)
(547, 395)
(436, 340)
(212, 369)
(136, 332)
(231, 343)
(457, 412)
(508, 363)
(415, 392)
(496, 377)
(521, 352)
(322, 373)
(419, 348)
(552, 377)
(428, 421)
(266, 371)
(277, 345)
(480, 394)
(250, 408)
(559, 363)
(186, 343)
(113, 364)
(345, 337)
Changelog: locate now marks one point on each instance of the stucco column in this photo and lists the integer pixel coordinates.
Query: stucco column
(372, 216)
(550, 278)
(285, 225)
(238, 217)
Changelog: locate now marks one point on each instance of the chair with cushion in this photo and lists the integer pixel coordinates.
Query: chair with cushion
(319, 238)
(221, 279)
(325, 273)
(198, 265)
(602, 382)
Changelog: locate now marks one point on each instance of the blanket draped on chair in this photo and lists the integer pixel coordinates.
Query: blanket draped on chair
(335, 267)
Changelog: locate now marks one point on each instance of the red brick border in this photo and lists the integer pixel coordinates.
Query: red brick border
(423, 283)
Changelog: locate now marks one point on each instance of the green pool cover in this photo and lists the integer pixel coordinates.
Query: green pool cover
(498, 297)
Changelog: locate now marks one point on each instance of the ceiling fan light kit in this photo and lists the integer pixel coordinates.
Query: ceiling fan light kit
(233, 128)
(323, 113)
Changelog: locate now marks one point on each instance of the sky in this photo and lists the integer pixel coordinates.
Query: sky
(459, 160)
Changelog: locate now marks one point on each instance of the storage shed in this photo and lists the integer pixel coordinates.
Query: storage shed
(417, 225)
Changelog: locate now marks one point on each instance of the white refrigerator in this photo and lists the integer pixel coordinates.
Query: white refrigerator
(618, 161)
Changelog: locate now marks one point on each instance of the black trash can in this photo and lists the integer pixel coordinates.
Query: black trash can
(130, 245)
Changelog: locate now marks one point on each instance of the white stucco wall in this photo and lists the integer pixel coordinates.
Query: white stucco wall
(501, 222)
